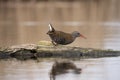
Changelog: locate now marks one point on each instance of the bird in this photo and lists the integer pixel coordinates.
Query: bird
(62, 38)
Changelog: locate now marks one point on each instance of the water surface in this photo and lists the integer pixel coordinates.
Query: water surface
(26, 22)
(92, 69)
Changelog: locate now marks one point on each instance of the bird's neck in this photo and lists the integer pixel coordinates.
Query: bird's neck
(74, 37)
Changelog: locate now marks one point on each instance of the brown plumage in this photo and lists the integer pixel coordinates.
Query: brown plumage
(59, 37)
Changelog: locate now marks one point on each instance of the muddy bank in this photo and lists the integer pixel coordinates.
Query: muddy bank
(32, 51)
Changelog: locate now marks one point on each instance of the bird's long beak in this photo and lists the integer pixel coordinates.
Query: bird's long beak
(83, 36)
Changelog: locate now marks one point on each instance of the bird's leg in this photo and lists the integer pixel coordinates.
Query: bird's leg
(55, 44)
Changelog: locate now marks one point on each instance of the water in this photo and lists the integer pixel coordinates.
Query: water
(92, 69)
(26, 22)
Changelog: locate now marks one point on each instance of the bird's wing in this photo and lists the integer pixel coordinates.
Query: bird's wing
(51, 28)
(65, 38)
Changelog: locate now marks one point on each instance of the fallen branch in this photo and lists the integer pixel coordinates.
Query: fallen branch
(32, 51)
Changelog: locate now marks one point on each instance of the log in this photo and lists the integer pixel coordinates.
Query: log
(33, 51)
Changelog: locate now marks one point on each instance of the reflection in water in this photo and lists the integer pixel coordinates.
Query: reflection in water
(63, 67)
(92, 69)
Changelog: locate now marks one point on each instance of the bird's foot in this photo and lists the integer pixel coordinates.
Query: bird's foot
(55, 44)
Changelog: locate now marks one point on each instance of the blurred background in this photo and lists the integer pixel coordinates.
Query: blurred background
(26, 21)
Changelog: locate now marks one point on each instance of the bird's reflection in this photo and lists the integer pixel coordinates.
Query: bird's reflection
(63, 67)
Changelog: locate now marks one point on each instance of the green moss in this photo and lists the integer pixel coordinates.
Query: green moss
(45, 43)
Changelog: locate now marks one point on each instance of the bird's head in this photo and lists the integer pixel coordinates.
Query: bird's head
(77, 34)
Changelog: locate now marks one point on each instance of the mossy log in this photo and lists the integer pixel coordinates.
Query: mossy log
(32, 51)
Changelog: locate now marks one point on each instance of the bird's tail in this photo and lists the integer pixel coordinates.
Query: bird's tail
(51, 29)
